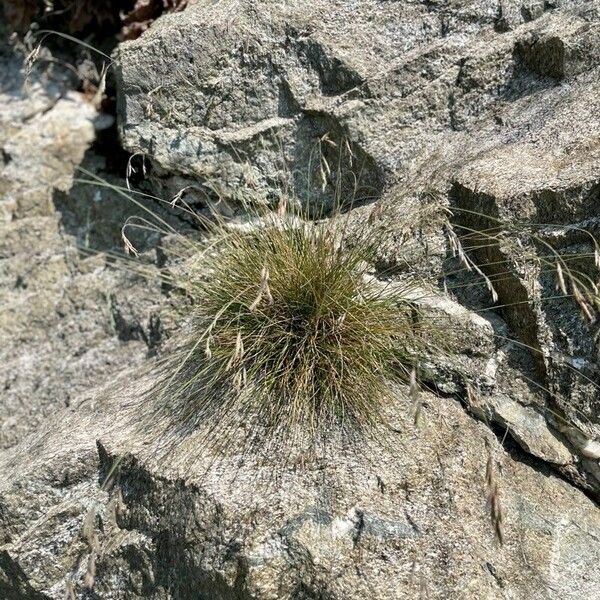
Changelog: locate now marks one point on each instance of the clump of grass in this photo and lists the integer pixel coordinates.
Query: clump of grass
(291, 332)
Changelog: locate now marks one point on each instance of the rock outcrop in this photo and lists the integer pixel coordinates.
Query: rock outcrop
(397, 523)
(431, 117)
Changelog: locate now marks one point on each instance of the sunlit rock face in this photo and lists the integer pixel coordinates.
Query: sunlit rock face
(428, 117)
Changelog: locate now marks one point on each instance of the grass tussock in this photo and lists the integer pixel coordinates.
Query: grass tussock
(289, 330)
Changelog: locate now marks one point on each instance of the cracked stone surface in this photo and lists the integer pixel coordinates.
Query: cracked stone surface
(390, 523)
(438, 117)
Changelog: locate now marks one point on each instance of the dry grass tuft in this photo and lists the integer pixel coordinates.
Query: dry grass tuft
(291, 332)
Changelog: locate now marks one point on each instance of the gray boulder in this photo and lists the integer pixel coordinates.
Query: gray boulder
(67, 321)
